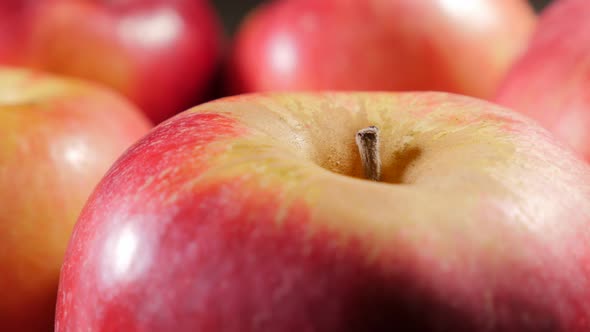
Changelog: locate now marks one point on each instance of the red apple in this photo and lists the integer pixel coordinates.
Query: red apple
(58, 137)
(446, 45)
(250, 213)
(551, 81)
(161, 54)
(13, 30)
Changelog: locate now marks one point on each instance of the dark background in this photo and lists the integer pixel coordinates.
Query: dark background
(232, 11)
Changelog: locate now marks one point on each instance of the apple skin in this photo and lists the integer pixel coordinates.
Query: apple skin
(248, 214)
(405, 45)
(551, 81)
(163, 55)
(58, 137)
(12, 30)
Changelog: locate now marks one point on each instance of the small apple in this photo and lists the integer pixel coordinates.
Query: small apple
(551, 81)
(252, 213)
(445, 45)
(58, 137)
(161, 54)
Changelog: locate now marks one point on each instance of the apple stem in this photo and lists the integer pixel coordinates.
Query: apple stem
(367, 140)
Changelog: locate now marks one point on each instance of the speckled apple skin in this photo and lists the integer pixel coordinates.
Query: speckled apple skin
(249, 214)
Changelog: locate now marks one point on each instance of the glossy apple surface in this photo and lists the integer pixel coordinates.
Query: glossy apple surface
(13, 30)
(444, 45)
(17, 18)
(250, 214)
(551, 81)
(58, 137)
(161, 54)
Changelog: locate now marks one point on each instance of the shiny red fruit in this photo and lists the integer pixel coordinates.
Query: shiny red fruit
(161, 54)
(447, 45)
(551, 81)
(250, 214)
(58, 137)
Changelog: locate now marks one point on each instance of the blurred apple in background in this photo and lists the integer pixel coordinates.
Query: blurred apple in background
(449, 45)
(58, 137)
(162, 54)
(250, 213)
(551, 81)
(14, 29)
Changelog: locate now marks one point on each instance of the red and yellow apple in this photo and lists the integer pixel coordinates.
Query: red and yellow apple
(251, 213)
(445, 45)
(161, 54)
(58, 137)
(551, 81)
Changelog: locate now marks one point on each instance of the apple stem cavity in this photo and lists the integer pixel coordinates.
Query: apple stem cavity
(367, 140)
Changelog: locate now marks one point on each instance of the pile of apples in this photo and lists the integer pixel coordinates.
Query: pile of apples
(336, 165)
